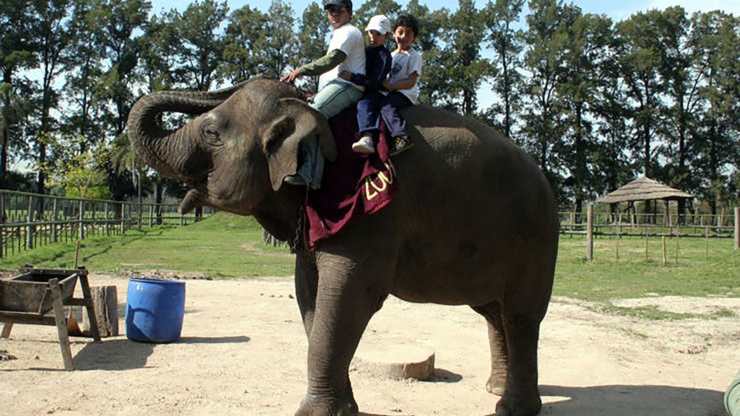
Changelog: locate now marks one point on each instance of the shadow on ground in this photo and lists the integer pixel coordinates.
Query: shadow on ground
(619, 400)
(123, 354)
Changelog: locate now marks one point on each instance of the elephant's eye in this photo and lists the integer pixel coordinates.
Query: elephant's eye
(211, 134)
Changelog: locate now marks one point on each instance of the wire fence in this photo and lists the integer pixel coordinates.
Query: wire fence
(28, 220)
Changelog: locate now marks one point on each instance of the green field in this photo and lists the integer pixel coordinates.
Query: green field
(231, 246)
(220, 246)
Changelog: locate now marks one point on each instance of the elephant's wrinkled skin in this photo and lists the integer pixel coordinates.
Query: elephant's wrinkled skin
(473, 223)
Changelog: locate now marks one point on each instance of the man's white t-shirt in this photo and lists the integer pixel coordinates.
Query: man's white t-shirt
(347, 39)
(406, 63)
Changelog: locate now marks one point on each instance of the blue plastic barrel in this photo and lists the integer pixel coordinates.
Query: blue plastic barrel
(154, 310)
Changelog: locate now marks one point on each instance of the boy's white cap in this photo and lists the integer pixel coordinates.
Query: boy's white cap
(380, 24)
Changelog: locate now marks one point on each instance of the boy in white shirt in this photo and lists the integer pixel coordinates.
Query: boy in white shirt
(402, 83)
(346, 53)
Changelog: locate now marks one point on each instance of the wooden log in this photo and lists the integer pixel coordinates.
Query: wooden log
(105, 305)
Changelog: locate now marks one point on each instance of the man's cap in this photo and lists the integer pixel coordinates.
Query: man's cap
(380, 24)
(345, 3)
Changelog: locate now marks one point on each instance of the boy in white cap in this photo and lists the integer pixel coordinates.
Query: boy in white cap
(377, 67)
(335, 93)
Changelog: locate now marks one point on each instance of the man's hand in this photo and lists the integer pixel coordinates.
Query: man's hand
(387, 85)
(345, 75)
(291, 76)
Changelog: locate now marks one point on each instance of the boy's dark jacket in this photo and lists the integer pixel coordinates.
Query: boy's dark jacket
(378, 62)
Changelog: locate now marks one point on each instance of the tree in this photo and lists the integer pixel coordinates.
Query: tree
(312, 40)
(716, 138)
(52, 38)
(682, 74)
(639, 64)
(244, 40)
(16, 54)
(83, 69)
(280, 41)
(122, 21)
(201, 43)
(362, 14)
(586, 52)
(434, 82)
(507, 43)
(465, 35)
(546, 43)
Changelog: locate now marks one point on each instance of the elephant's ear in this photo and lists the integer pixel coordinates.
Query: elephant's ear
(295, 121)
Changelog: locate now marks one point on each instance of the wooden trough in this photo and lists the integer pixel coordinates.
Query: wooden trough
(38, 297)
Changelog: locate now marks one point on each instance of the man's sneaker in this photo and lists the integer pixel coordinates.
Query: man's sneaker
(364, 145)
(296, 180)
(400, 144)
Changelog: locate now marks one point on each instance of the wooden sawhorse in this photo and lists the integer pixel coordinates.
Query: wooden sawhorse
(38, 297)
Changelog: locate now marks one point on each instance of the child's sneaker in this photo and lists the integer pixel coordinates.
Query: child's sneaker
(364, 145)
(400, 144)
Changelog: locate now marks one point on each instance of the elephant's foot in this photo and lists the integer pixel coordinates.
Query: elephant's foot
(315, 406)
(509, 406)
(495, 385)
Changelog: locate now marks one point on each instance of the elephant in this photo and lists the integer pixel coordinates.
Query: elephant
(473, 222)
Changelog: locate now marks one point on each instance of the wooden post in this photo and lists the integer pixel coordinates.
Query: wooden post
(29, 218)
(81, 234)
(87, 295)
(647, 257)
(54, 215)
(151, 216)
(589, 232)
(123, 217)
(737, 228)
(107, 220)
(665, 254)
(706, 242)
(7, 327)
(61, 323)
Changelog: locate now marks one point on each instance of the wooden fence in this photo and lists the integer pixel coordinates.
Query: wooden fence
(665, 225)
(650, 225)
(28, 221)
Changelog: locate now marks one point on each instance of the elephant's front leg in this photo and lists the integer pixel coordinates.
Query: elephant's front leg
(349, 292)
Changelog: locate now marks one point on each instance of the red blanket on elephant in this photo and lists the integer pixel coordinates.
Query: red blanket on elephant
(354, 184)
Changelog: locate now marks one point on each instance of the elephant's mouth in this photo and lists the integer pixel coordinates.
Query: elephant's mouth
(194, 198)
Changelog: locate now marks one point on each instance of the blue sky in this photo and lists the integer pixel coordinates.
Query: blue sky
(616, 9)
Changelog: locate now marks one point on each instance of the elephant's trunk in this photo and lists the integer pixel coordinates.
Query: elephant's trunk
(171, 152)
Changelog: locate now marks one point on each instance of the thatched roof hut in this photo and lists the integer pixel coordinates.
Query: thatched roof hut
(642, 189)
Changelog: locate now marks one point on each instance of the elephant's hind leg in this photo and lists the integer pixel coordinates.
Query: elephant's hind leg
(499, 350)
(521, 394)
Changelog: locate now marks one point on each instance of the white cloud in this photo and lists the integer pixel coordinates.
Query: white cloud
(729, 6)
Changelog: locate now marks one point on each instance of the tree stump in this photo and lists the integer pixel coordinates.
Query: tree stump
(105, 305)
(398, 362)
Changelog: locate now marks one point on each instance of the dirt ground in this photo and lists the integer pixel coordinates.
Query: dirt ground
(243, 352)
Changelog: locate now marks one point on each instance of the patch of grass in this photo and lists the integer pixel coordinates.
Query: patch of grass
(699, 271)
(222, 245)
(653, 313)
